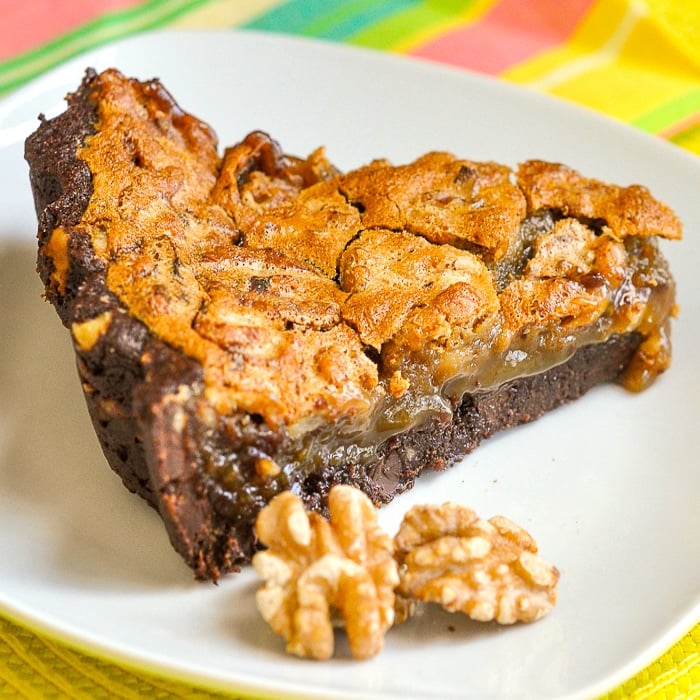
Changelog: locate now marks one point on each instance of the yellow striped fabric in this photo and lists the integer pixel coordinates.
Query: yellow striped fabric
(630, 62)
(33, 666)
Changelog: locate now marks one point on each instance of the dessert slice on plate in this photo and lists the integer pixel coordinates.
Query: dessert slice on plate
(249, 322)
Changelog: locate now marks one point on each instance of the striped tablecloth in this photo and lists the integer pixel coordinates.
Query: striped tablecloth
(635, 60)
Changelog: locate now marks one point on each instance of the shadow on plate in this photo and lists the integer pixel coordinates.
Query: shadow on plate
(430, 627)
(51, 465)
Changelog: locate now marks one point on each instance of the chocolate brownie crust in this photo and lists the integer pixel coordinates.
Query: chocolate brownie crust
(170, 433)
(62, 187)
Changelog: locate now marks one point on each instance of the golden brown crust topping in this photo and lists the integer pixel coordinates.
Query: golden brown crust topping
(282, 277)
(265, 328)
(567, 280)
(411, 292)
(441, 198)
(628, 211)
(286, 204)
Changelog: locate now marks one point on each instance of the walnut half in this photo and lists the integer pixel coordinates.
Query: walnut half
(488, 569)
(314, 568)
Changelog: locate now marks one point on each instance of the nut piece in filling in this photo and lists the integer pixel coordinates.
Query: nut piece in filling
(315, 567)
(247, 322)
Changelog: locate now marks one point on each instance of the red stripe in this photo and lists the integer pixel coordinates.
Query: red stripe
(677, 128)
(28, 24)
(511, 31)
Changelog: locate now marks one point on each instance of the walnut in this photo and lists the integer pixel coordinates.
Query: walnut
(87, 333)
(314, 568)
(488, 569)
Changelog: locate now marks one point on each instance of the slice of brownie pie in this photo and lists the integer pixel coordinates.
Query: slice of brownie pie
(249, 322)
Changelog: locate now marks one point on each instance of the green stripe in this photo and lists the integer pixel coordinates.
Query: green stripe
(401, 26)
(293, 16)
(669, 113)
(327, 19)
(94, 33)
(356, 17)
(689, 139)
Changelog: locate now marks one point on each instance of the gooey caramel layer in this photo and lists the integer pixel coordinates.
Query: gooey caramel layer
(370, 297)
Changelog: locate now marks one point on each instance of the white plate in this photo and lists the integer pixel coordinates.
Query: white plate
(609, 487)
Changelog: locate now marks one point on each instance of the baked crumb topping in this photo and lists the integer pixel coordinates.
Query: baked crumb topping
(307, 293)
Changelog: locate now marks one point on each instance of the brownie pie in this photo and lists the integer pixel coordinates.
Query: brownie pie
(247, 322)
